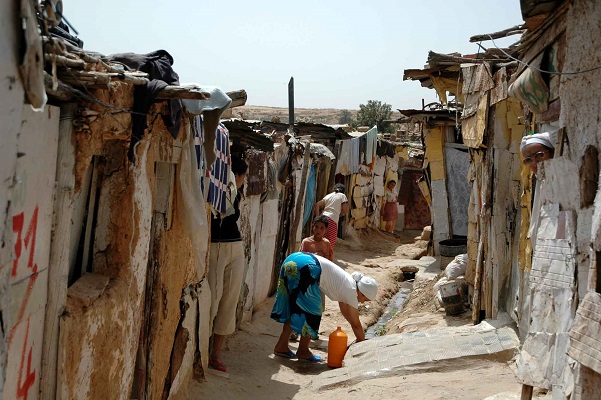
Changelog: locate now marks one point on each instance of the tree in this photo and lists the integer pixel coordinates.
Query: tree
(346, 117)
(374, 113)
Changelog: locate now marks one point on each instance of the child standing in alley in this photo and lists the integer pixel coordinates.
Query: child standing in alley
(318, 244)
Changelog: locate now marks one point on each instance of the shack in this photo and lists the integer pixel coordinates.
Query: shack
(548, 282)
(102, 292)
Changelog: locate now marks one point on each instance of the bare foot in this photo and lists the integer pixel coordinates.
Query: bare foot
(304, 354)
(277, 349)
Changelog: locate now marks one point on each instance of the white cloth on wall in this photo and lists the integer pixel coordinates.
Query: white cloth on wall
(372, 144)
(457, 163)
(343, 165)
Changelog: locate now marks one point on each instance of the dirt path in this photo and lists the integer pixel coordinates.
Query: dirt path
(254, 372)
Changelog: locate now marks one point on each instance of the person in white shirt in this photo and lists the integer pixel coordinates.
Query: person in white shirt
(299, 303)
(333, 205)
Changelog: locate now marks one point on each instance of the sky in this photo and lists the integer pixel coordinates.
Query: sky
(341, 53)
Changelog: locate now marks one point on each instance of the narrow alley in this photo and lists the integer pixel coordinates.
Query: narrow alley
(285, 200)
(255, 373)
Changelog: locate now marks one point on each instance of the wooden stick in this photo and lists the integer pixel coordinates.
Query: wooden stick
(514, 30)
(238, 97)
(61, 93)
(60, 243)
(182, 92)
(526, 392)
(65, 61)
(478, 277)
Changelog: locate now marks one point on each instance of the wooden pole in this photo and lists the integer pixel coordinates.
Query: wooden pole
(291, 103)
(514, 30)
(526, 392)
(238, 97)
(182, 92)
(58, 268)
(478, 277)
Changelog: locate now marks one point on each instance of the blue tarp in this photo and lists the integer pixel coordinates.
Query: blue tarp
(309, 196)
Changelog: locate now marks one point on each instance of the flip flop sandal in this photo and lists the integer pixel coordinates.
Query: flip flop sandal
(217, 365)
(313, 359)
(285, 354)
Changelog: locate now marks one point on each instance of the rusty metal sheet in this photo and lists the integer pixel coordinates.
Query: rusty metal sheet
(474, 126)
(257, 179)
(477, 78)
(499, 92)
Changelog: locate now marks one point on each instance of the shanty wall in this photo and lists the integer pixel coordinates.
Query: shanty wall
(563, 332)
(123, 317)
(434, 138)
(259, 222)
(498, 185)
(28, 152)
(368, 186)
(580, 111)
(29, 156)
(137, 318)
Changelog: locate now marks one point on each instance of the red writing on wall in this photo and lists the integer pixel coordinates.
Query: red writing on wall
(25, 383)
(29, 242)
(26, 241)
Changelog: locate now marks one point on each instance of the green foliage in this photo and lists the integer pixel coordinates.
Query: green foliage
(345, 117)
(374, 113)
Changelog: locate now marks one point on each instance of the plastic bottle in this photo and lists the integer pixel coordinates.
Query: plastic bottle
(337, 348)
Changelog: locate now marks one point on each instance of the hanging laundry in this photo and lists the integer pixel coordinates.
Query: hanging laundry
(211, 110)
(160, 74)
(219, 100)
(344, 161)
(354, 162)
(371, 136)
(362, 149)
(220, 172)
(198, 131)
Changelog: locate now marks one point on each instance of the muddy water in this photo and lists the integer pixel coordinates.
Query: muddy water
(394, 306)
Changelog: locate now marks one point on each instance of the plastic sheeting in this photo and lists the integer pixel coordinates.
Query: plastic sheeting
(309, 195)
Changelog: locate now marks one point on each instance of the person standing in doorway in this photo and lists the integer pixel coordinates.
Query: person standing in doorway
(226, 265)
(535, 149)
(390, 209)
(333, 205)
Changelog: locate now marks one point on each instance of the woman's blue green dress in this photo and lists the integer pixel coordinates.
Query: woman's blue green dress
(298, 298)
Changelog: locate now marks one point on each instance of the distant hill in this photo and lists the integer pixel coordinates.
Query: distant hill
(328, 116)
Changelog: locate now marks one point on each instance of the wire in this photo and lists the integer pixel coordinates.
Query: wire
(542, 70)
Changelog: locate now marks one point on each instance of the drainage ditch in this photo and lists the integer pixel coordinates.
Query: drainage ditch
(395, 305)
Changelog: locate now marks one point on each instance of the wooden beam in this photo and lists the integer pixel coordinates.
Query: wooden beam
(182, 92)
(238, 97)
(61, 93)
(514, 30)
(58, 267)
(89, 229)
(65, 61)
